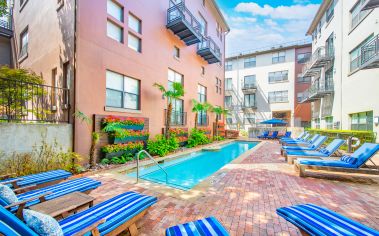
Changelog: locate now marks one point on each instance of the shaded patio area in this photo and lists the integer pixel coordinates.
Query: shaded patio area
(245, 194)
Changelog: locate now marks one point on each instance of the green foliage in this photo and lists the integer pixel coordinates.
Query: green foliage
(200, 107)
(176, 92)
(219, 111)
(363, 136)
(197, 137)
(162, 146)
(118, 160)
(113, 148)
(45, 158)
(123, 133)
(243, 133)
(3, 7)
(218, 138)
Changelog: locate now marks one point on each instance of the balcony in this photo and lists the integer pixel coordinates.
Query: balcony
(177, 118)
(249, 88)
(370, 4)
(321, 57)
(370, 54)
(208, 50)
(183, 24)
(249, 107)
(6, 26)
(318, 91)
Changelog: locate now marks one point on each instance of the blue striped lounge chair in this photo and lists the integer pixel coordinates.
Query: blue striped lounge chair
(323, 153)
(51, 192)
(111, 217)
(311, 147)
(300, 137)
(315, 220)
(355, 163)
(302, 143)
(263, 135)
(205, 227)
(37, 179)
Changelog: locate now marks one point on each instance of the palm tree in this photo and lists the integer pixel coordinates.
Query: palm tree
(176, 92)
(219, 111)
(199, 107)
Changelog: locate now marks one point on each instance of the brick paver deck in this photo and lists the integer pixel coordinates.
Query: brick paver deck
(245, 198)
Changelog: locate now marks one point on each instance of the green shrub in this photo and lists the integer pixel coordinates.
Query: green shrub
(118, 160)
(218, 138)
(197, 137)
(161, 146)
(39, 160)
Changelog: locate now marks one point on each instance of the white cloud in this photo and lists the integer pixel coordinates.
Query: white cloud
(239, 19)
(270, 22)
(280, 12)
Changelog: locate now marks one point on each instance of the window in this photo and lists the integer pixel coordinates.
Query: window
(250, 62)
(355, 55)
(356, 14)
(228, 66)
(279, 76)
(362, 121)
(278, 96)
(329, 85)
(24, 42)
(115, 10)
(329, 122)
(301, 79)
(218, 86)
(135, 24)
(177, 116)
(228, 84)
(176, 52)
(278, 57)
(319, 27)
(330, 45)
(330, 11)
(317, 123)
(249, 118)
(122, 91)
(303, 58)
(202, 97)
(134, 42)
(54, 84)
(228, 101)
(65, 82)
(204, 25)
(249, 81)
(249, 100)
(202, 70)
(114, 31)
(229, 120)
(299, 97)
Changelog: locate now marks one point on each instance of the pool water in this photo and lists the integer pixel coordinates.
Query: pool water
(188, 171)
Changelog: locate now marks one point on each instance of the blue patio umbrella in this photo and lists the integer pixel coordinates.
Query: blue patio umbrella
(274, 122)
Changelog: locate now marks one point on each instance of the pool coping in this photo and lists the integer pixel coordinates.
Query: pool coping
(200, 189)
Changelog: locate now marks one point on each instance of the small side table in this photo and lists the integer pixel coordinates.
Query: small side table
(64, 206)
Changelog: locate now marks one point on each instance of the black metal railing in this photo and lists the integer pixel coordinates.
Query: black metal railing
(208, 43)
(370, 50)
(177, 118)
(31, 102)
(180, 12)
(6, 21)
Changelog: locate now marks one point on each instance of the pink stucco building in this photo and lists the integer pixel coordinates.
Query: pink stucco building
(109, 53)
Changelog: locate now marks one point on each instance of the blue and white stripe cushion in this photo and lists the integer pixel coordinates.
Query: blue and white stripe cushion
(43, 177)
(320, 221)
(75, 185)
(349, 159)
(116, 211)
(205, 227)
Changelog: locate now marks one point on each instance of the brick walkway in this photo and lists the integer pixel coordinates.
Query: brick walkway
(246, 197)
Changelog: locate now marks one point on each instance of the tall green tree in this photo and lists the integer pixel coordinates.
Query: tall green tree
(219, 111)
(199, 107)
(176, 92)
(3, 7)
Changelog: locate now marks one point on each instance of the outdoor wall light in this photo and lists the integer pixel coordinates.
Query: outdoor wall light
(376, 120)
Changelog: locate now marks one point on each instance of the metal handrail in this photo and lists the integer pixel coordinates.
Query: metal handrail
(138, 155)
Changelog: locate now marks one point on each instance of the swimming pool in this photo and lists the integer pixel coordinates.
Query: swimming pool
(188, 171)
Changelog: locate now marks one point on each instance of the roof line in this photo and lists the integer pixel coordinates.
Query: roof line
(320, 12)
(220, 13)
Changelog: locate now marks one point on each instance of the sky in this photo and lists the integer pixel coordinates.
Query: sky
(259, 23)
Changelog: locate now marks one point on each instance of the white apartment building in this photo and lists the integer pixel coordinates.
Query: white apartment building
(264, 84)
(344, 66)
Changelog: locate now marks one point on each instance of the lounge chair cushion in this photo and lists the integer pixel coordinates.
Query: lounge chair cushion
(331, 163)
(208, 227)
(306, 153)
(10, 225)
(42, 224)
(316, 220)
(349, 159)
(41, 178)
(61, 189)
(116, 211)
(7, 195)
